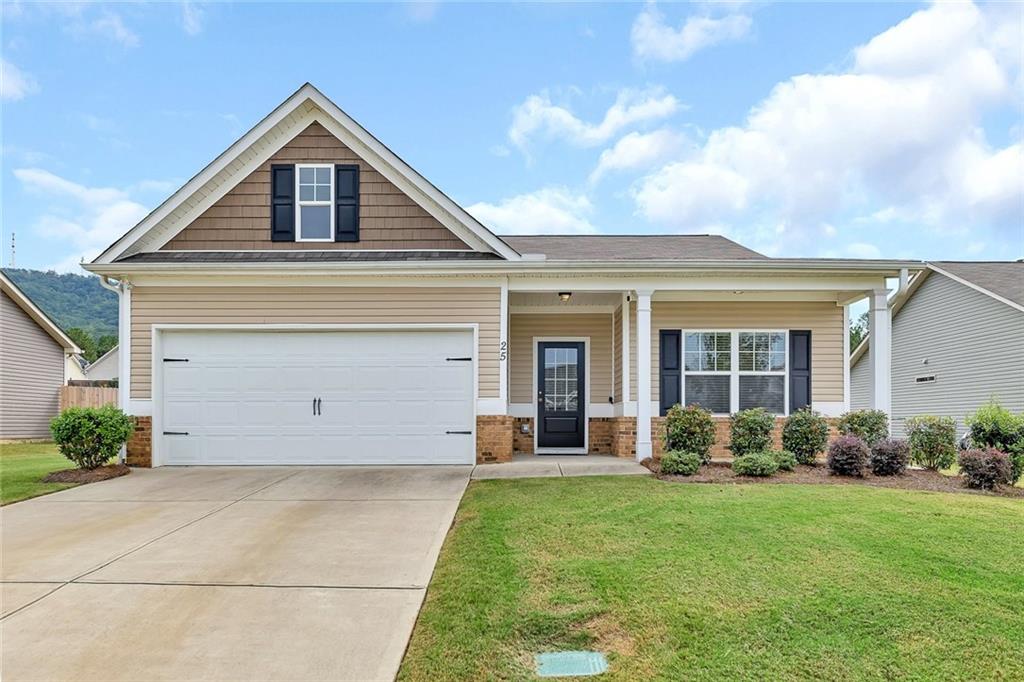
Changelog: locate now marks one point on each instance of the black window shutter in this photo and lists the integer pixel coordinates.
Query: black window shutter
(799, 370)
(669, 359)
(282, 203)
(346, 203)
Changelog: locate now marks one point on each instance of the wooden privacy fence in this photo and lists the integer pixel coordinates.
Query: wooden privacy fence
(86, 396)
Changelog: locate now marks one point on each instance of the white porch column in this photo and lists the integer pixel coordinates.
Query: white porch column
(625, 352)
(643, 375)
(880, 351)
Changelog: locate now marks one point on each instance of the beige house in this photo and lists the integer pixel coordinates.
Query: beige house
(34, 362)
(105, 368)
(308, 298)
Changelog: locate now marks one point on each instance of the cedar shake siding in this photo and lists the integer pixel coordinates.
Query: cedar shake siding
(388, 219)
(314, 305)
(523, 327)
(31, 374)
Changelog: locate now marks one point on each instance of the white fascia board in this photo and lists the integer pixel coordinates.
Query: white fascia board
(305, 106)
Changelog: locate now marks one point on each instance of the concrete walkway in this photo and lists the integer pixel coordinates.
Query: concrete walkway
(219, 573)
(547, 466)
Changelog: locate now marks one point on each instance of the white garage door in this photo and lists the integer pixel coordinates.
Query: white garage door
(349, 397)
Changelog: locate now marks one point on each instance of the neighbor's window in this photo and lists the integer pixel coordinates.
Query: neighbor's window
(726, 371)
(315, 208)
(707, 360)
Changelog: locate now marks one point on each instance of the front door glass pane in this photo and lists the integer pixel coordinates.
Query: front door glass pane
(561, 382)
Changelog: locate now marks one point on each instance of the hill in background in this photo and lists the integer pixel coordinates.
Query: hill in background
(70, 300)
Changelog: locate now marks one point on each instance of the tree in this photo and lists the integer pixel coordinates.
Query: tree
(84, 341)
(858, 330)
(105, 343)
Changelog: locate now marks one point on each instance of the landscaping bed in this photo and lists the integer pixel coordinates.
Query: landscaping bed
(87, 475)
(912, 479)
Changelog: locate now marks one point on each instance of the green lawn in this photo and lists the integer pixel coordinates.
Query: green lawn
(22, 467)
(692, 581)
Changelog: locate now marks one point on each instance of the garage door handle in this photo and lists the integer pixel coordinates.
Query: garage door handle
(462, 433)
(318, 408)
(175, 433)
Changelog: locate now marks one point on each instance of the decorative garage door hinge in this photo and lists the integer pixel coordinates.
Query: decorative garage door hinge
(175, 433)
(463, 433)
(175, 359)
(459, 359)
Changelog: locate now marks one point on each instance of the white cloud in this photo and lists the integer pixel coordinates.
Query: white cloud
(638, 150)
(84, 219)
(108, 26)
(537, 116)
(863, 250)
(420, 11)
(900, 129)
(653, 39)
(15, 84)
(192, 18)
(552, 210)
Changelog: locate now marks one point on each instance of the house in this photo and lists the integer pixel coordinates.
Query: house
(309, 298)
(957, 341)
(34, 353)
(105, 368)
(74, 367)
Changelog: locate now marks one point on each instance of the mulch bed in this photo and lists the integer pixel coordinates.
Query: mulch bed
(87, 475)
(913, 479)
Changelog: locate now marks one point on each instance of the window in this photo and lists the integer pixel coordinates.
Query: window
(726, 371)
(315, 207)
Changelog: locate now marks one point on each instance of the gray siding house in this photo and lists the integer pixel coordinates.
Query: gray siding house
(957, 341)
(32, 365)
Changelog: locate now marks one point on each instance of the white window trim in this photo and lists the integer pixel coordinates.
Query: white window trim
(299, 203)
(735, 373)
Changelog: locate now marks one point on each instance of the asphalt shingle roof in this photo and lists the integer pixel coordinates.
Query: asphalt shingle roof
(1003, 278)
(633, 247)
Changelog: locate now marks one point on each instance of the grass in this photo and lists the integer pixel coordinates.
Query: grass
(22, 467)
(730, 582)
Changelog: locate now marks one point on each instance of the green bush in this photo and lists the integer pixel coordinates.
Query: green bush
(889, 457)
(690, 429)
(985, 468)
(756, 464)
(784, 458)
(680, 463)
(89, 436)
(1016, 454)
(847, 456)
(805, 434)
(751, 431)
(932, 441)
(994, 426)
(870, 426)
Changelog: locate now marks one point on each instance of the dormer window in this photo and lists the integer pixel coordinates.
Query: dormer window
(315, 212)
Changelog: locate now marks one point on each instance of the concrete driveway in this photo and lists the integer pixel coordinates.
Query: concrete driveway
(258, 573)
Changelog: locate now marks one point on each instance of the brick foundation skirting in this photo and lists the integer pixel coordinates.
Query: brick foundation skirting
(601, 436)
(494, 438)
(139, 448)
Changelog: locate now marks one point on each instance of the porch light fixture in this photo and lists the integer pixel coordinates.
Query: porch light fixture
(565, 296)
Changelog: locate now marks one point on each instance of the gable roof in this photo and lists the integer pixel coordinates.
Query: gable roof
(632, 247)
(1001, 280)
(37, 315)
(305, 106)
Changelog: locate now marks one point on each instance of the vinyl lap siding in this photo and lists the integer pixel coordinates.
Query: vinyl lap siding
(31, 374)
(860, 384)
(388, 218)
(525, 326)
(314, 305)
(824, 319)
(974, 345)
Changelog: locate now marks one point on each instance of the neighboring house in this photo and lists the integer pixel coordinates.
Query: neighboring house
(308, 298)
(957, 341)
(34, 353)
(105, 368)
(74, 368)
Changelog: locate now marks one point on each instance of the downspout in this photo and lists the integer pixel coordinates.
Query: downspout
(122, 327)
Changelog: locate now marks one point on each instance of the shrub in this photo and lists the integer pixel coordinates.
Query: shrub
(994, 426)
(751, 431)
(1016, 454)
(847, 456)
(870, 426)
(985, 468)
(89, 436)
(757, 464)
(805, 434)
(690, 429)
(932, 441)
(681, 463)
(784, 458)
(889, 457)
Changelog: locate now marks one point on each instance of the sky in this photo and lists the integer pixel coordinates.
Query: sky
(798, 129)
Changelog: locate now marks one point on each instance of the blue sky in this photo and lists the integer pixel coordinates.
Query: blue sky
(842, 130)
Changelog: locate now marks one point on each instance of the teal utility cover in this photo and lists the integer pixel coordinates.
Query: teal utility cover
(571, 663)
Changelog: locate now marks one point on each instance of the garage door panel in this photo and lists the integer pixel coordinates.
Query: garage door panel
(385, 397)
